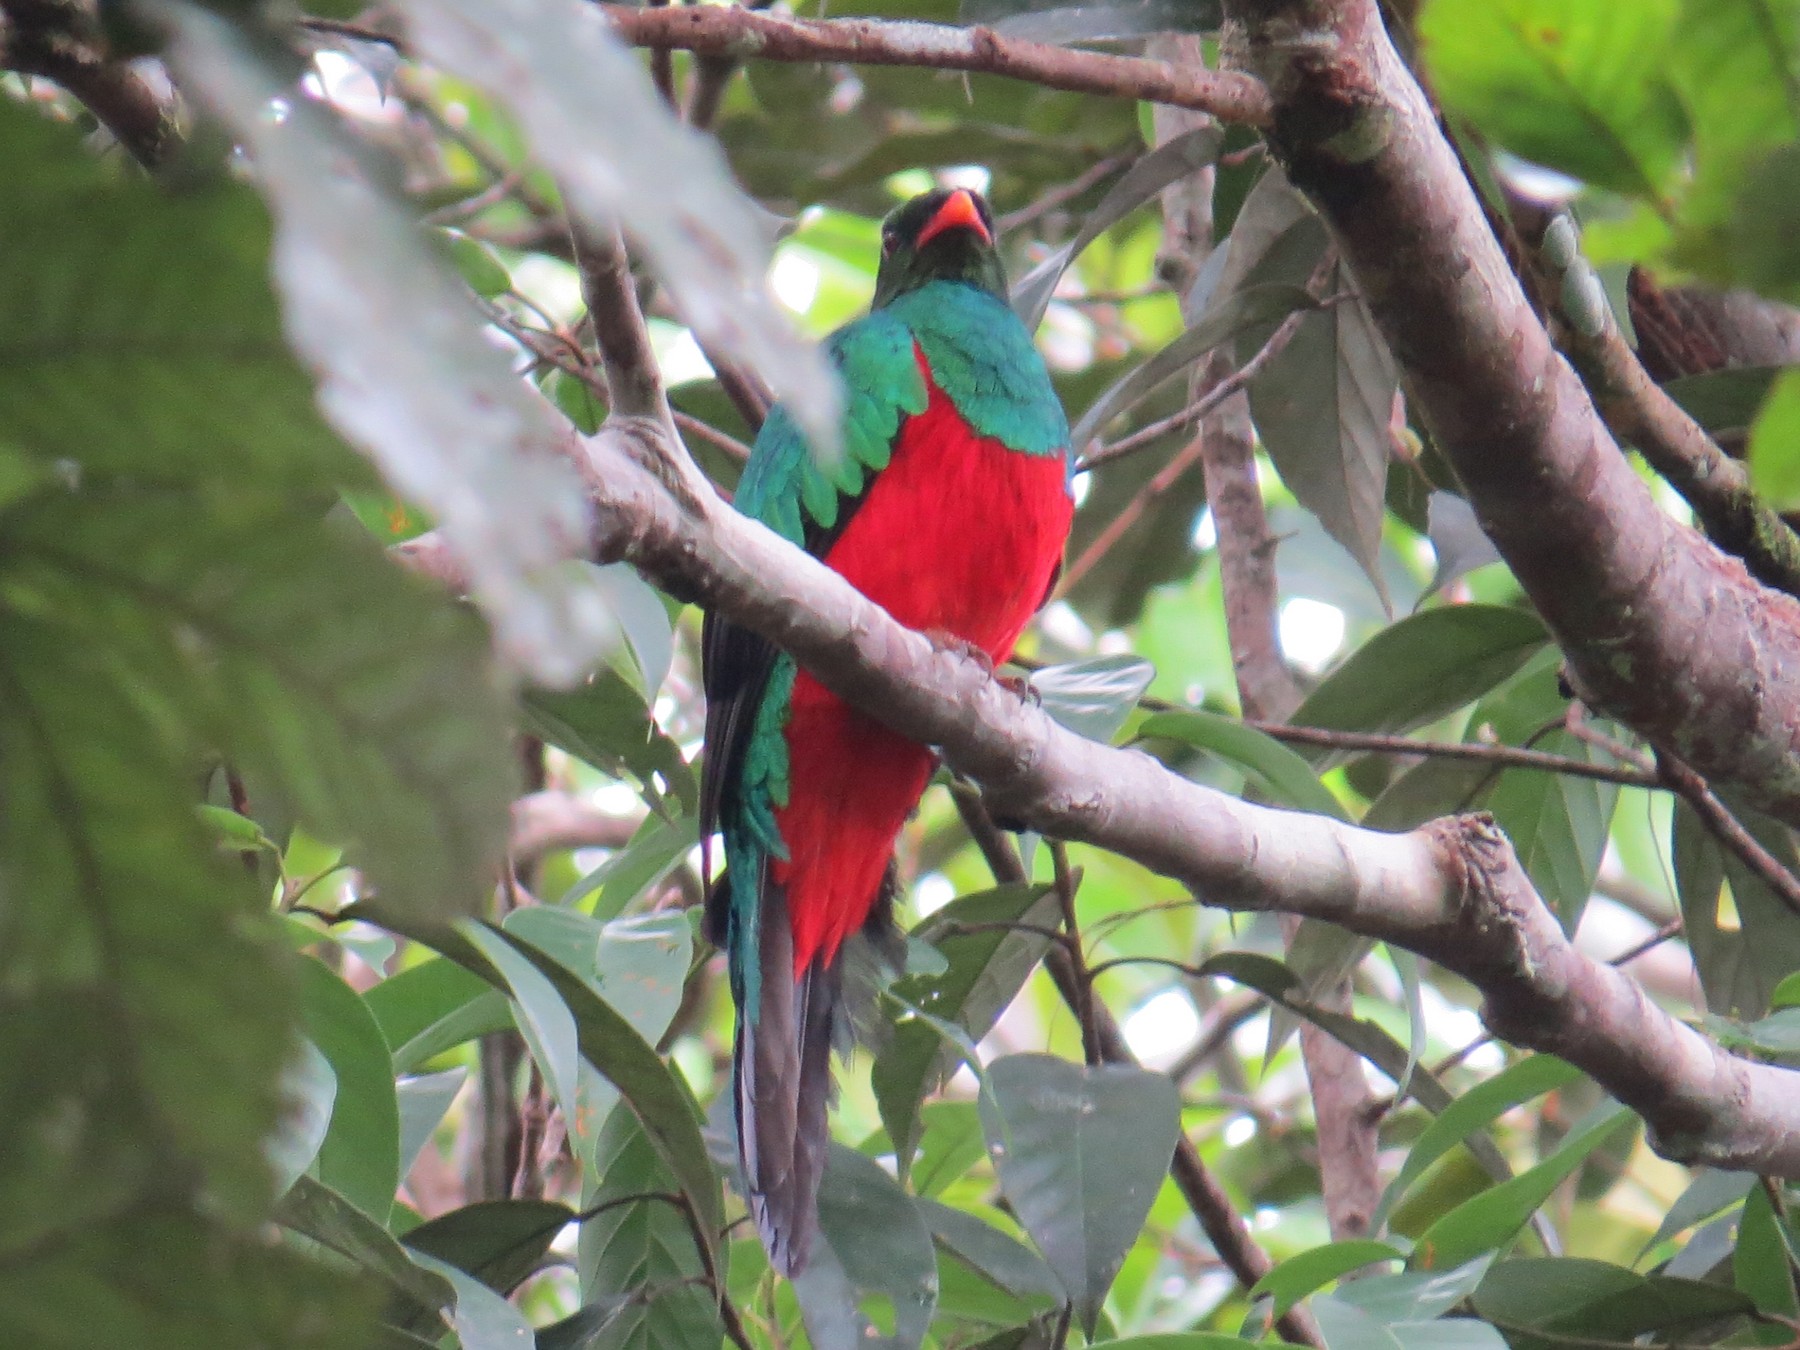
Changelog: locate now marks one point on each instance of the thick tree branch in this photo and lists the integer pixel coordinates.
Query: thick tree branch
(744, 34)
(59, 40)
(1662, 631)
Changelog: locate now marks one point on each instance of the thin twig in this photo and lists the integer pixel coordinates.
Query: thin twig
(1067, 881)
(1505, 756)
(1032, 211)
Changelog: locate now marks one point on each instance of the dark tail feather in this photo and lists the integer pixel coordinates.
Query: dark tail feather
(782, 1067)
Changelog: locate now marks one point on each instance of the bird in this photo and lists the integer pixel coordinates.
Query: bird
(949, 505)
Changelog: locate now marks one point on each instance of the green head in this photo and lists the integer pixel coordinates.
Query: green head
(947, 235)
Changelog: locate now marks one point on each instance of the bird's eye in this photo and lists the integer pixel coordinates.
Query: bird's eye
(889, 242)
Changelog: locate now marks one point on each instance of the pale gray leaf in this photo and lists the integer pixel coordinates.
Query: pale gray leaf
(404, 371)
(592, 116)
(1456, 539)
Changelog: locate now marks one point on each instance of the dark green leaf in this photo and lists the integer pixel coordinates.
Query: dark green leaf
(320, 1213)
(425, 1009)
(1003, 1259)
(423, 1102)
(1742, 936)
(607, 723)
(989, 963)
(499, 1242)
(872, 1266)
(1708, 1194)
(1725, 402)
(1081, 1153)
(543, 1019)
(1762, 1267)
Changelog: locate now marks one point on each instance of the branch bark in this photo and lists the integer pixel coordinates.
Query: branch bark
(1661, 630)
(734, 32)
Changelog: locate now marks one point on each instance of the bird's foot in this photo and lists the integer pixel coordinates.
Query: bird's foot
(1019, 684)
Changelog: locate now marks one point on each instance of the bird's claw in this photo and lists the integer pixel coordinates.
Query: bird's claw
(1018, 684)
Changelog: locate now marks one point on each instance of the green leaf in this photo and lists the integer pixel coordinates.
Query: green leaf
(542, 1017)
(424, 1100)
(144, 331)
(1743, 937)
(873, 1255)
(360, 1158)
(478, 264)
(1322, 405)
(1093, 698)
(1709, 1193)
(1175, 159)
(1568, 1296)
(1724, 402)
(950, 1143)
(1301, 1275)
(1775, 443)
(607, 723)
(481, 1319)
(278, 632)
(999, 1257)
(988, 965)
(1762, 1266)
(654, 851)
(1578, 85)
(1081, 1153)
(1476, 1109)
(499, 1242)
(1422, 668)
(1490, 1220)
(1287, 777)
(1223, 321)
(1413, 1296)
(320, 1213)
(642, 1249)
(426, 1009)
(405, 372)
(656, 1095)
(1557, 823)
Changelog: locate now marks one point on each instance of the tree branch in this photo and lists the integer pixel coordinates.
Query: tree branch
(1661, 630)
(731, 31)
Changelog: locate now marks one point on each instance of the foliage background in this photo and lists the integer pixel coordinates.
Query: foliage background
(269, 1006)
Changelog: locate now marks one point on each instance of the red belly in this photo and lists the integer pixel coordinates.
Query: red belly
(958, 534)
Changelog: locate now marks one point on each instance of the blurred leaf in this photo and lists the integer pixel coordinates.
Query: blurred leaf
(360, 1157)
(1001, 1258)
(144, 330)
(1734, 62)
(423, 1102)
(1322, 405)
(1475, 1109)
(1174, 160)
(1064, 23)
(1093, 698)
(499, 1242)
(595, 120)
(1222, 321)
(1578, 85)
(1762, 1266)
(435, 405)
(645, 621)
(1422, 668)
(1775, 443)
(478, 265)
(1081, 1153)
(1594, 1299)
(1491, 1219)
(873, 1255)
(308, 1091)
(988, 965)
(1304, 1274)
(1413, 1296)
(642, 1249)
(277, 631)
(1709, 1193)
(1288, 778)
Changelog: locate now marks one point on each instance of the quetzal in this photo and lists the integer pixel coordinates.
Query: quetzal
(949, 507)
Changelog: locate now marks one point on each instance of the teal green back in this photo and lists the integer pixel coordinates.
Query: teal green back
(983, 359)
